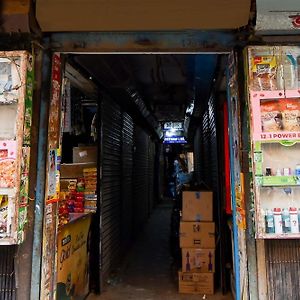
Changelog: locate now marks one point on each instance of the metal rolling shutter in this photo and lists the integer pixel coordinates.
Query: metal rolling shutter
(207, 170)
(110, 186)
(283, 269)
(140, 178)
(7, 273)
(197, 155)
(151, 159)
(127, 184)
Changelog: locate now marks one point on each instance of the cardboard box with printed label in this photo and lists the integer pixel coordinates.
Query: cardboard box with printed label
(196, 283)
(197, 235)
(197, 206)
(84, 154)
(198, 260)
(69, 171)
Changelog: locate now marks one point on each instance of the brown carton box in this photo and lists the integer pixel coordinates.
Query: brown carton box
(74, 170)
(198, 260)
(84, 154)
(196, 283)
(197, 206)
(197, 235)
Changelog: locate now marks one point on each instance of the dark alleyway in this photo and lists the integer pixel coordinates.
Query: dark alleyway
(148, 272)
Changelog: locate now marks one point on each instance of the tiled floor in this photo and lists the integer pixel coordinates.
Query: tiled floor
(148, 272)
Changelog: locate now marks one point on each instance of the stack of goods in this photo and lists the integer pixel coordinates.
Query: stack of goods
(63, 210)
(90, 193)
(71, 200)
(197, 243)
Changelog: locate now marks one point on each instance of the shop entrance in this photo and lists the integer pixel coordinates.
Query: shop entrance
(140, 140)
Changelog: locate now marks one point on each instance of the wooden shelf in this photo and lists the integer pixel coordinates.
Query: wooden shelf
(278, 236)
(269, 181)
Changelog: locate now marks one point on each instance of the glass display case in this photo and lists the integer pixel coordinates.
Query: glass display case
(16, 80)
(277, 188)
(274, 102)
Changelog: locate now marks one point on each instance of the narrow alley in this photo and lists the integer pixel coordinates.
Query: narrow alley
(148, 272)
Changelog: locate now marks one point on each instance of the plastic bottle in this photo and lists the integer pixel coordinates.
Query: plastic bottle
(297, 173)
(278, 220)
(299, 218)
(294, 220)
(269, 217)
(286, 221)
(289, 72)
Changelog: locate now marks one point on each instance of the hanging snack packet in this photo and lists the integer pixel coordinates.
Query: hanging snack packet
(263, 73)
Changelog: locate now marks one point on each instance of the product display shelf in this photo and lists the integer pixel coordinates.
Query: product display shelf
(269, 181)
(267, 94)
(274, 102)
(292, 93)
(278, 236)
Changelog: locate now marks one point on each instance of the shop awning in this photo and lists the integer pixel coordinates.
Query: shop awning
(136, 15)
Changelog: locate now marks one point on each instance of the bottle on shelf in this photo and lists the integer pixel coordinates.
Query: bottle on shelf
(294, 220)
(299, 218)
(297, 173)
(269, 217)
(286, 221)
(278, 220)
(290, 72)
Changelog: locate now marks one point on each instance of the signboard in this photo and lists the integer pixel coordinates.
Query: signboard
(173, 125)
(278, 16)
(275, 118)
(175, 140)
(73, 260)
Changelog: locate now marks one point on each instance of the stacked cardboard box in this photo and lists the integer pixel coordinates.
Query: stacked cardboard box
(197, 242)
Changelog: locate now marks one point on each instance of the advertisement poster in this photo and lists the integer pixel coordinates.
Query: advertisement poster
(73, 260)
(7, 164)
(280, 115)
(10, 80)
(54, 113)
(48, 266)
(52, 173)
(3, 215)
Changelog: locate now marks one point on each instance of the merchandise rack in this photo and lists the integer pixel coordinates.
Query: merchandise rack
(275, 139)
(15, 124)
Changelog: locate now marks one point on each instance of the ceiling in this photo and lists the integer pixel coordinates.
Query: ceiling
(166, 84)
(136, 15)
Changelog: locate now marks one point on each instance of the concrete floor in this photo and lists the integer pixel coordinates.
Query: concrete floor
(148, 272)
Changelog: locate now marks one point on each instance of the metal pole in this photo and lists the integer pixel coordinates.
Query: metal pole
(41, 178)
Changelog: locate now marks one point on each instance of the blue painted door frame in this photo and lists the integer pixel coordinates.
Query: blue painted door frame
(233, 194)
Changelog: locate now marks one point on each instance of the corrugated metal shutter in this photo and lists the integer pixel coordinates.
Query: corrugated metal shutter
(197, 154)
(206, 151)
(110, 186)
(7, 273)
(151, 159)
(127, 184)
(283, 269)
(140, 178)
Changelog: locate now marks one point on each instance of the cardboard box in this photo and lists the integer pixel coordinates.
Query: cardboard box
(198, 260)
(64, 184)
(197, 206)
(84, 154)
(196, 283)
(197, 235)
(70, 171)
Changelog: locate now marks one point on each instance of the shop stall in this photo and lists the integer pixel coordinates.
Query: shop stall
(71, 193)
(275, 132)
(16, 80)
